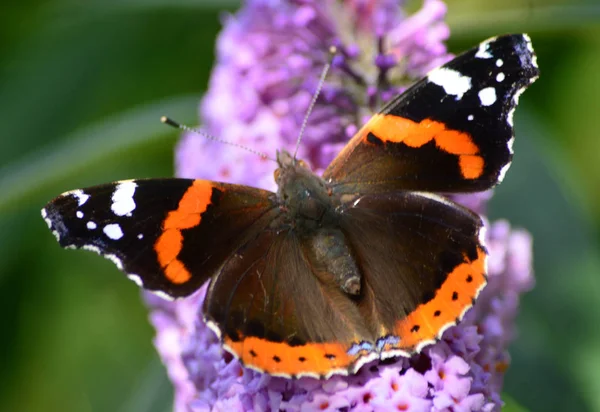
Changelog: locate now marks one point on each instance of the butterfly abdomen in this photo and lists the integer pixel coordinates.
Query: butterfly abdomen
(331, 252)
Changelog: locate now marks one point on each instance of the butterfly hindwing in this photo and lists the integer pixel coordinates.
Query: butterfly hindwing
(168, 235)
(451, 131)
(276, 315)
(422, 260)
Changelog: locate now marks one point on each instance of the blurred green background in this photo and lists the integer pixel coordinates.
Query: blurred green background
(82, 86)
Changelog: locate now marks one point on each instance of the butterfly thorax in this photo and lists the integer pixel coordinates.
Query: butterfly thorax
(302, 194)
(310, 210)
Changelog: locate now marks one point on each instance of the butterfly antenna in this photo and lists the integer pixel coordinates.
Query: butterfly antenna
(332, 52)
(173, 123)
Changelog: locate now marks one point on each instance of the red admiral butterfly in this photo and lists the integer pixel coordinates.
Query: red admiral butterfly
(331, 271)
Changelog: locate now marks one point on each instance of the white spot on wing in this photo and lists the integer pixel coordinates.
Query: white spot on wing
(470, 117)
(510, 144)
(515, 102)
(140, 236)
(426, 343)
(483, 51)
(487, 96)
(452, 81)
(502, 172)
(394, 353)
(534, 60)
(122, 198)
(136, 279)
(81, 197)
(113, 231)
(481, 235)
(499, 63)
(341, 372)
(500, 77)
(213, 326)
(91, 225)
(483, 241)
(114, 259)
(528, 41)
(304, 375)
(509, 117)
(518, 94)
(92, 248)
(366, 359)
(45, 217)
(530, 48)
(49, 223)
(79, 214)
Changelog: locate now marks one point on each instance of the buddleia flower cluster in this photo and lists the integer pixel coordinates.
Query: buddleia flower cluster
(269, 57)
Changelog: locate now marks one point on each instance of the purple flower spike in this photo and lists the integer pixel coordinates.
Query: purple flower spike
(269, 58)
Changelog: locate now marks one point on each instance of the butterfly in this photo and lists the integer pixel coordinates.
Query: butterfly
(367, 261)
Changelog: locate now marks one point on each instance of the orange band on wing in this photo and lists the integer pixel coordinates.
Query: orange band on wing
(451, 301)
(283, 359)
(187, 215)
(397, 129)
(471, 166)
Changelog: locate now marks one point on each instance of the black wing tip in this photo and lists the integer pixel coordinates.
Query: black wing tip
(523, 46)
(528, 56)
(54, 214)
(46, 216)
(56, 224)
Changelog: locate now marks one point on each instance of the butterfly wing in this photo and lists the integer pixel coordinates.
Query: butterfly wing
(168, 235)
(273, 311)
(423, 264)
(450, 132)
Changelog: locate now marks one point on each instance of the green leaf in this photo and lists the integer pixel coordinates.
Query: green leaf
(123, 6)
(511, 405)
(153, 394)
(133, 128)
(528, 18)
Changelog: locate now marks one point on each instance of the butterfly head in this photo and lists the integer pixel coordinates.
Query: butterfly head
(289, 167)
(300, 190)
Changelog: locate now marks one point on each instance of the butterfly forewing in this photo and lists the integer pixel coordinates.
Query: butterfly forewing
(452, 131)
(168, 235)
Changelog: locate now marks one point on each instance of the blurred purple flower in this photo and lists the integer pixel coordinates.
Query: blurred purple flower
(269, 58)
